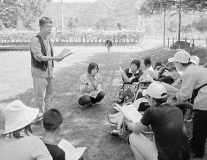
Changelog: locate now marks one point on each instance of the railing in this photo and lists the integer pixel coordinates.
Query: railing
(186, 43)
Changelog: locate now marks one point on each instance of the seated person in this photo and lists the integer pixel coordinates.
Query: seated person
(53, 123)
(17, 141)
(158, 65)
(166, 121)
(170, 76)
(117, 118)
(129, 76)
(90, 86)
(148, 70)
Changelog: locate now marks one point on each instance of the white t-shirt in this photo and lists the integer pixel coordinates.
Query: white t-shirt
(26, 148)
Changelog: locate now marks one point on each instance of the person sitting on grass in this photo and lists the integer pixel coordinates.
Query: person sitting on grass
(52, 122)
(130, 76)
(170, 77)
(148, 70)
(90, 86)
(17, 141)
(166, 120)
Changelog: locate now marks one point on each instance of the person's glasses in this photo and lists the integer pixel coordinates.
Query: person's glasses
(48, 27)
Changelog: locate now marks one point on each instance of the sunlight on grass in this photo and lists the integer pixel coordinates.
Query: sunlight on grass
(82, 127)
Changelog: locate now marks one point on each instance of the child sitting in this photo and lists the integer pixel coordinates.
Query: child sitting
(53, 122)
(149, 72)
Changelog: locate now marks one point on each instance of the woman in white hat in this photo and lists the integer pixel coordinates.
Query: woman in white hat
(171, 142)
(194, 87)
(17, 141)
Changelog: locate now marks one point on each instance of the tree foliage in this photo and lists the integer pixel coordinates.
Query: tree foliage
(102, 24)
(149, 7)
(26, 10)
(119, 25)
(200, 24)
(72, 22)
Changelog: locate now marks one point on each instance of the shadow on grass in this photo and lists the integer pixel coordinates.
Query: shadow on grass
(89, 127)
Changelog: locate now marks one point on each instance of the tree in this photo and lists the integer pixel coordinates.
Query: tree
(1, 25)
(119, 25)
(149, 7)
(98, 25)
(26, 10)
(102, 24)
(200, 24)
(72, 22)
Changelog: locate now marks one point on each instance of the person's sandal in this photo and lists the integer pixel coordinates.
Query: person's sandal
(113, 124)
(115, 133)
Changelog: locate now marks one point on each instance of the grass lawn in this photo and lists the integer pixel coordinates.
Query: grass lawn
(82, 127)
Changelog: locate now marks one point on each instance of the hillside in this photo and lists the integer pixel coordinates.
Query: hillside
(89, 13)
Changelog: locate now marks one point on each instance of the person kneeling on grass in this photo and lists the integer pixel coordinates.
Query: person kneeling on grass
(166, 120)
(90, 86)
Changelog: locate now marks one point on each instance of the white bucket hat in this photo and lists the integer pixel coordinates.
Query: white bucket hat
(155, 90)
(180, 56)
(17, 116)
(195, 60)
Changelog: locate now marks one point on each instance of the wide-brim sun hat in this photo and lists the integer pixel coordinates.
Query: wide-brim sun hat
(17, 115)
(155, 90)
(180, 56)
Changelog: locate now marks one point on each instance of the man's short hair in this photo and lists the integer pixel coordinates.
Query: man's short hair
(136, 62)
(147, 61)
(52, 119)
(44, 20)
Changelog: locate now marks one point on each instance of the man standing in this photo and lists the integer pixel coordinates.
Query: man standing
(42, 64)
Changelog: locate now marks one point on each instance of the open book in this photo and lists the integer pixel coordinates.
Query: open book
(71, 153)
(130, 113)
(65, 52)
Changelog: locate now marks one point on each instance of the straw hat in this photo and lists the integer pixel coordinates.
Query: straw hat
(17, 116)
(155, 90)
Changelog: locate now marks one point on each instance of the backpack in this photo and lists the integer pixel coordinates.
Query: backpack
(195, 93)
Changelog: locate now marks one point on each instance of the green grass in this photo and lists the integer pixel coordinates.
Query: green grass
(82, 127)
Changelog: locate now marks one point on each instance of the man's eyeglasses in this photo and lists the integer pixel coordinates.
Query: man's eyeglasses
(48, 27)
